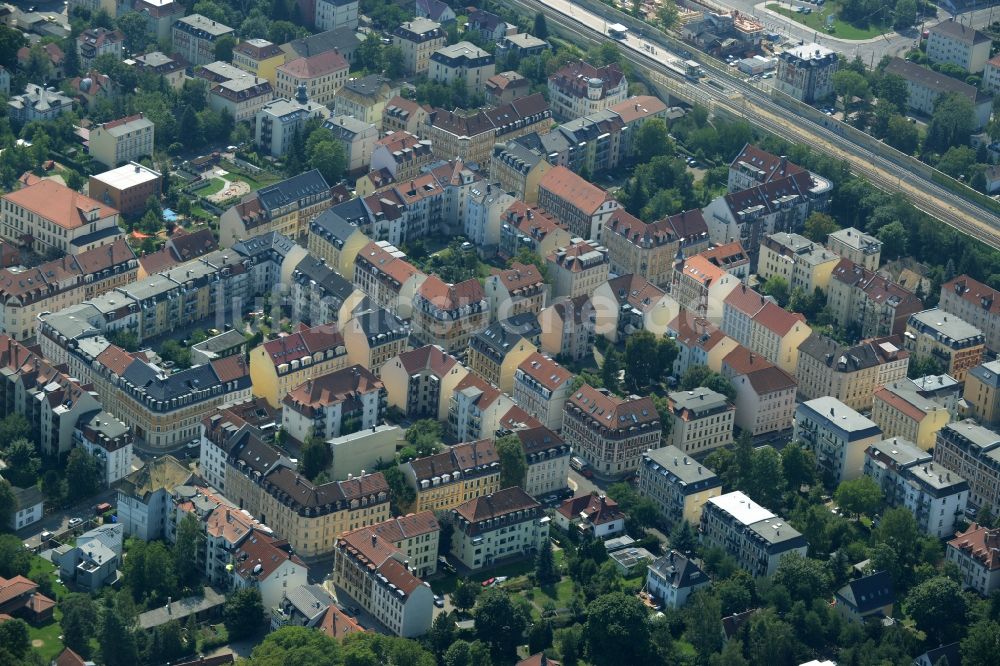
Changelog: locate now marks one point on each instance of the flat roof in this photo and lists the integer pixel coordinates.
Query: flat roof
(946, 324)
(126, 176)
(673, 462)
(836, 412)
(742, 508)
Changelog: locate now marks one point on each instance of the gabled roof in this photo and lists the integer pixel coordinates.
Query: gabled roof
(429, 357)
(574, 78)
(868, 593)
(499, 504)
(315, 66)
(463, 458)
(545, 371)
(339, 387)
(768, 166)
(304, 342)
(58, 203)
(776, 319)
(597, 509)
(261, 555)
(612, 412)
(636, 291)
(572, 189)
(447, 297)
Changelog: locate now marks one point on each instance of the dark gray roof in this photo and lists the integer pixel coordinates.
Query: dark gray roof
(341, 39)
(366, 85)
(334, 228)
(960, 32)
(495, 340)
(868, 593)
(352, 211)
(272, 241)
(940, 83)
(679, 571)
(293, 189)
(165, 387)
(378, 324)
(525, 324)
(313, 269)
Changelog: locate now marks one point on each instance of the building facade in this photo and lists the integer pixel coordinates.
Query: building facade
(678, 484)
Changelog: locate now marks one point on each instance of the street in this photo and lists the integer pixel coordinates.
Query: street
(58, 521)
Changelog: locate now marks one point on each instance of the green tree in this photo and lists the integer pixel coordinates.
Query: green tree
(611, 371)
(243, 612)
(892, 88)
(329, 158)
(704, 619)
(499, 622)
(848, 84)
(902, 135)
(641, 361)
(465, 595)
(15, 426)
(770, 639)
(83, 475)
(667, 14)
(701, 375)
(777, 287)
(8, 502)
(189, 543)
(736, 593)
(314, 457)
(10, 42)
(545, 565)
(894, 240)
(224, 48)
(79, 622)
(39, 66)
(14, 637)
(804, 578)
(116, 639)
(981, 644)
(133, 26)
(798, 465)
(652, 140)
(617, 630)
(539, 636)
(958, 162)
(541, 27)
(23, 463)
(513, 463)
(683, 537)
(818, 226)
(14, 559)
(859, 496)
(951, 123)
(190, 128)
(302, 646)
(905, 14)
(442, 633)
(458, 653)
(765, 482)
(938, 607)
(401, 494)
(149, 572)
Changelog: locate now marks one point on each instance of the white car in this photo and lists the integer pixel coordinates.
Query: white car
(73, 522)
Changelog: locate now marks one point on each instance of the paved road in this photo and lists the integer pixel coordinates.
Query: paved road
(58, 521)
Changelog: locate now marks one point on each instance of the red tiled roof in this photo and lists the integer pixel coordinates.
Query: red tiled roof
(320, 64)
(304, 342)
(461, 457)
(265, 552)
(332, 388)
(519, 276)
(771, 380)
(599, 509)
(545, 371)
(116, 359)
(58, 203)
(702, 270)
(337, 624)
(498, 504)
(611, 411)
(974, 292)
(574, 190)
(637, 107)
(444, 296)
(900, 404)
(776, 319)
(231, 368)
(773, 166)
(981, 544)
(428, 357)
(489, 393)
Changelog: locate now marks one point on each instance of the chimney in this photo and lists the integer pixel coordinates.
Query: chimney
(374, 540)
(169, 611)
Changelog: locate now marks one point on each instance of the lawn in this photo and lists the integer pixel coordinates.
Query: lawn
(46, 639)
(560, 595)
(214, 186)
(817, 21)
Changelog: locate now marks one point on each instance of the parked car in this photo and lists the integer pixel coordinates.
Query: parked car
(439, 601)
(73, 522)
(103, 507)
(489, 582)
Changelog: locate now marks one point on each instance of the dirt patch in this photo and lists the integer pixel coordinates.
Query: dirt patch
(37, 643)
(235, 188)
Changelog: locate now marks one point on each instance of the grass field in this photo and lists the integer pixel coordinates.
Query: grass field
(45, 640)
(215, 185)
(817, 21)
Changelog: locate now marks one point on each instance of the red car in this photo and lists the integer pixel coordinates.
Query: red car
(587, 473)
(488, 582)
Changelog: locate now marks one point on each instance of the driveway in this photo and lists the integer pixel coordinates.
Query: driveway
(58, 521)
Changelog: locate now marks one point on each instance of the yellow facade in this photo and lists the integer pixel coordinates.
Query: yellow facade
(501, 374)
(983, 398)
(273, 386)
(449, 495)
(339, 259)
(694, 503)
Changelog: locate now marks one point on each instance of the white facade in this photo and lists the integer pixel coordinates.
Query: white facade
(837, 434)
(287, 576)
(333, 14)
(30, 507)
(954, 43)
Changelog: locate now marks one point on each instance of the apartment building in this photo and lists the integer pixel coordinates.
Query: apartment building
(900, 410)
(765, 328)
(516, 290)
(577, 269)
(765, 394)
(448, 315)
(631, 303)
(754, 536)
(160, 16)
(925, 86)
(446, 480)
(276, 123)
(421, 381)
(982, 393)
(49, 216)
(699, 342)
(336, 14)
(702, 420)
(229, 426)
(160, 64)
(702, 288)
(953, 43)
(38, 103)
(505, 87)
(532, 228)
(976, 553)
(476, 409)
(373, 335)
(335, 404)
(802, 263)
(462, 61)
(322, 75)
(123, 140)
(358, 139)
(973, 452)
(418, 39)
(287, 207)
(991, 75)
(277, 366)
(908, 477)
(364, 98)
(650, 249)
(382, 272)
(242, 98)
(857, 246)
(541, 387)
(402, 154)
(472, 137)
(494, 528)
(754, 166)
(579, 88)
(568, 327)
(976, 303)
(496, 352)
(109, 441)
(610, 433)
(950, 340)
(260, 58)
(594, 515)
(127, 189)
(54, 285)
(582, 207)
(194, 38)
(143, 498)
(404, 115)
(837, 435)
(868, 302)
(374, 573)
(95, 42)
(336, 242)
(672, 579)
(806, 72)
(851, 374)
(311, 516)
(677, 484)
(547, 456)
(518, 170)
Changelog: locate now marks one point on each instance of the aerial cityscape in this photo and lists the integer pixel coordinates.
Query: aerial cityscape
(503, 333)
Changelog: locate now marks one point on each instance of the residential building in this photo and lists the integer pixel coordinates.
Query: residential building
(472, 137)
(547, 456)
(287, 207)
(806, 72)
(336, 14)
(462, 61)
(802, 263)
(868, 302)
(595, 515)
(673, 578)
(276, 123)
(404, 155)
(523, 44)
(582, 207)
(991, 76)
(446, 480)
(730, 257)
(335, 404)
(650, 249)
(194, 38)
(518, 170)
(953, 43)
(356, 452)
(702, 420)
(489, 26)
(496, 352)
(515, 290)
(849, 374)
(307, 606)
(52, 53)
(610, 433)
(404, 115)
(181, 247)
(336, 242)
(950, 340)
(435, 10)
(160, 16)
(54, 285)
(373, 335)
(37, 103)
(123, 140)
(418, 39)
(262, 59)
(364, 98)
(506, 87)
(677, 484)
(109, 440)
(630, 303)
(925, 86)
(856, 246)
(976, 303)
(532, 228)
(127, 188)
(322, 75)
(448, 315)
(908, 477)
(568, 328)
(765, 394)
(982, 393)
(144, 497)
(421, 381)
(155, 62)
(242, 97)
(541, 387)
(901, 411)
(416, 536)
(29, 507)
(976, 553)
(344, 40)
(579, 88)
(754, 536)
(374, 573)
(702, 288)
(226, 428)
(95, 42)
(22, 600)
(837, 435)
(870, 596)
(942, 389)
(761, 325)
(973, 452)
(358, 139)
(311, 516)
(277, 366)
(699, 342)
(754, 166)
(227, 343)
(382, 272)
(93, 560)
(578, 269)
(493, 528)
(268, 565)
(476, 409)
